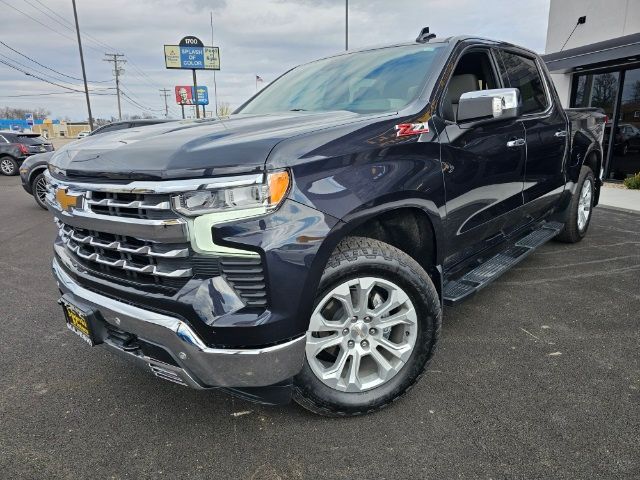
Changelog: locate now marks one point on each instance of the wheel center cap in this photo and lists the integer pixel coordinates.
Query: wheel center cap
(360, 330)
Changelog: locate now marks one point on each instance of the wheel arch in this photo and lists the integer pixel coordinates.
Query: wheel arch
(35, 172)
(366, 221)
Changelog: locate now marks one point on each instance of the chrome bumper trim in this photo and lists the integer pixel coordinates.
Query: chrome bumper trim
(200, 366)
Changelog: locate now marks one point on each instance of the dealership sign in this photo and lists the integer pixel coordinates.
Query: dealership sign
(191, 54)
(185, 96)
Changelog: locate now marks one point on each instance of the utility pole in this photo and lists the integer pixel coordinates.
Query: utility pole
(164, 92)
(346, 25)
(117, 71)
(215, 87)
(84, 73)
(195, 93)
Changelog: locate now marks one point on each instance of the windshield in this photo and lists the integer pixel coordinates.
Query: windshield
(380, 80)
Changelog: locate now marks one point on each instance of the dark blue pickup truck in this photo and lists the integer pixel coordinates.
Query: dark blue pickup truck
(305, 246)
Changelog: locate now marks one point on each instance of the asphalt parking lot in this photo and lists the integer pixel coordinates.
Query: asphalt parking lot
(538, 376)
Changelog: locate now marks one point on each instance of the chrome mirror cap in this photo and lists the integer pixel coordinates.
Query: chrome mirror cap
(487, 104)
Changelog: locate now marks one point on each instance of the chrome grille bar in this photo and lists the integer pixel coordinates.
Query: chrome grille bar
(139, 204)
(126, 264)
(120, 247)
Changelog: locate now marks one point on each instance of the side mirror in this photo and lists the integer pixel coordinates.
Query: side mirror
(498, 103)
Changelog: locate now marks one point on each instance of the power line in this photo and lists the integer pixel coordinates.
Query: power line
(40, 78)
(46, 67)
(49, 14)
(36, 20)
(51, 93)
(65, 23)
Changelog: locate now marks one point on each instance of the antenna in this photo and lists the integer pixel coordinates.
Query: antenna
(425, 36)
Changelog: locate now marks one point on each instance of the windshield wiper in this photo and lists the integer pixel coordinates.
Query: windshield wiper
(298, 110)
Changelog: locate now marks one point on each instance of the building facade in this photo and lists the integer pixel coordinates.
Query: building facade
(593, 54)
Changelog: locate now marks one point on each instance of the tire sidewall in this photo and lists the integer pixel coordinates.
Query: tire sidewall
(418, 286)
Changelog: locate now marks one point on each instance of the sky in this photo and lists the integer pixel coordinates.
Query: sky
(256, 37)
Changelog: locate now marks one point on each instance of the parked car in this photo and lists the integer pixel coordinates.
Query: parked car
(16, 147)
(32, 170)
(627, 138)
(84, 133)
(306, 245)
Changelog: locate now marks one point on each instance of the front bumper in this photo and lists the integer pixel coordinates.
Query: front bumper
(193, 363)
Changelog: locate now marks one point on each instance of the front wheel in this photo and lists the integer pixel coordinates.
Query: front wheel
(374, 327)
(578, 215)
(39, 190)
(8, 166)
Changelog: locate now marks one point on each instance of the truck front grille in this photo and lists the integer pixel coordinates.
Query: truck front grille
(136, 239)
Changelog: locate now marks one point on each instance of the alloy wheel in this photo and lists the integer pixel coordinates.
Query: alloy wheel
(7, 166)
(361, 334)
(40, 189)
(584, 205)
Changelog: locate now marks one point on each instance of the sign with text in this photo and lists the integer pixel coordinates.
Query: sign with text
(29, 118)
(191, 54)
(185, 96)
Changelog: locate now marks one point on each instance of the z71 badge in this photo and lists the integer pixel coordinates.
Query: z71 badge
(405, 129)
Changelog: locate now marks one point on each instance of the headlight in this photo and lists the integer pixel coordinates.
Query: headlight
(267, 194)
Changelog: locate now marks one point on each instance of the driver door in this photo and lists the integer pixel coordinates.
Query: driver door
(483, 166)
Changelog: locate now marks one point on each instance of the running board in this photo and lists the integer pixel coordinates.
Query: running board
(455, 291)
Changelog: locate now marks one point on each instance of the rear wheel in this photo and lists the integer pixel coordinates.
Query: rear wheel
(578, 214)
(8, 166)
(39, 190)
(373, 329)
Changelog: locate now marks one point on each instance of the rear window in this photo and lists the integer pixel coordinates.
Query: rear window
(29, 140)
(523, 74)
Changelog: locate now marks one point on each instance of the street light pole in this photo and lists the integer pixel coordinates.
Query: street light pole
(84, 73)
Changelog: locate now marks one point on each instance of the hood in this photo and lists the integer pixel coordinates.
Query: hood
(239, 144)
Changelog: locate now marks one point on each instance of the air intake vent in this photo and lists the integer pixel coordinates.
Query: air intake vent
(246, 276)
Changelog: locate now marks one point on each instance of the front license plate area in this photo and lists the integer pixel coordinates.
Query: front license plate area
(79, 321)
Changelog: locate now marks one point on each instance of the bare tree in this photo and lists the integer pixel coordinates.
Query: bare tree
(604, 90)
(224, 109)
(19, 113)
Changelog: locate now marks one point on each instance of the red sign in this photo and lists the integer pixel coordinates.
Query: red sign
(184, 95)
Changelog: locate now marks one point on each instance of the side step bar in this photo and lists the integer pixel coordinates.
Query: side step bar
(455, 291)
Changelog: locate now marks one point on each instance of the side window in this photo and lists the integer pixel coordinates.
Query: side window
(522, 73)
(473, 72)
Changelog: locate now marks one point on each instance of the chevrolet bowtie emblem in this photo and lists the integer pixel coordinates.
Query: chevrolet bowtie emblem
(66, 200)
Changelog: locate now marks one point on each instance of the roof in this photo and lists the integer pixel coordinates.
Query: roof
(607, 52)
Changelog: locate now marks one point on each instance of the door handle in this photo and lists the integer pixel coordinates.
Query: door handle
(560, 133)
(518, 142)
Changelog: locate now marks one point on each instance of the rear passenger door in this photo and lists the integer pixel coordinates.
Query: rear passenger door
(546, 131)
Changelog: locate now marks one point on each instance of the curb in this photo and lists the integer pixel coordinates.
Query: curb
(618, 209)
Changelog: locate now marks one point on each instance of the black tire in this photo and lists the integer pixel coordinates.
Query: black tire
(34, 190)
(357, 257)
(8, 166)
(571, 232)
